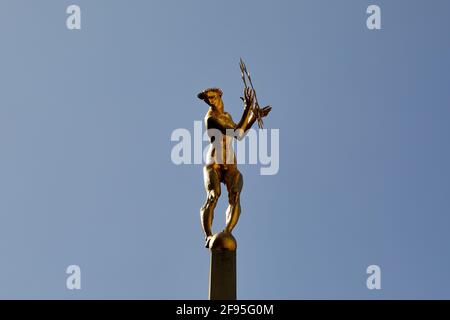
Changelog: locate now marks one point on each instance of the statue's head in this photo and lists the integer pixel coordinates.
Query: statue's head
(212, 96)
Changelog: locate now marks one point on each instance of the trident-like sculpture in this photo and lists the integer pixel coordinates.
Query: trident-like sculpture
(256, 109)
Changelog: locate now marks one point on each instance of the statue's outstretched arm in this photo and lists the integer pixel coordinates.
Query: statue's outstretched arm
(248, 118)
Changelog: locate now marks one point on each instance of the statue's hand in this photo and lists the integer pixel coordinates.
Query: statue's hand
(249, 98)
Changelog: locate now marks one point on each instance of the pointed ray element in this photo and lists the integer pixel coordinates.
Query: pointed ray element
(256, 109)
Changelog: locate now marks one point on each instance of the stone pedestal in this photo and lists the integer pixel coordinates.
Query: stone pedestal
(222, 274)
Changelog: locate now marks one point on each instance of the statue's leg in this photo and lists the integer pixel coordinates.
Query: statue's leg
(234, 182)
(212, 188)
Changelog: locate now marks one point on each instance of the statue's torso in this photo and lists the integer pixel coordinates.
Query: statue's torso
(220, 151)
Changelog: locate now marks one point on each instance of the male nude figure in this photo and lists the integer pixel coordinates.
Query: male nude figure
(221, 161)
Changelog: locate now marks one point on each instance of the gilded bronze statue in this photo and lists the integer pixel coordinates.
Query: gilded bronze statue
(221, 166)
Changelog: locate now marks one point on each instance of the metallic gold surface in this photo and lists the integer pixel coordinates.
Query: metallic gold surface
(221, 162)
(223, 241)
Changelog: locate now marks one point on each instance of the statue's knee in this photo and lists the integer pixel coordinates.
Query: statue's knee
(213, 197)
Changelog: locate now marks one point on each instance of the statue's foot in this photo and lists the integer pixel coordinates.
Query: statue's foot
(208, 241)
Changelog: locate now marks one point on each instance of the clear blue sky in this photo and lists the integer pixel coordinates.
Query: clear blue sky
(85, 170)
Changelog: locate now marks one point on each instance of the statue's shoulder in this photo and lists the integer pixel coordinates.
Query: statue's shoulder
(224, 117)
(210, 114)
(228, 115)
